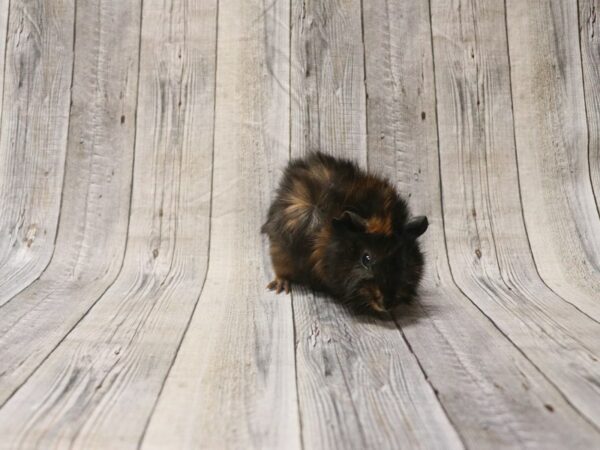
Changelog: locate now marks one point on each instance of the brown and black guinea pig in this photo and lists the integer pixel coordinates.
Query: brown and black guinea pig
(340, 230)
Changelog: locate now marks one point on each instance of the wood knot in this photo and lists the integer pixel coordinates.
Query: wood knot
(30, 235)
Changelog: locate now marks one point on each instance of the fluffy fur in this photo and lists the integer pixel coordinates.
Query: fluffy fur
(338, 229)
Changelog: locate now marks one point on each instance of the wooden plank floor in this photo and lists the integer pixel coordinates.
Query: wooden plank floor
(140, 144)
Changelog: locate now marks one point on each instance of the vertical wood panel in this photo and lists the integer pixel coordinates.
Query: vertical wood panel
(327, 79)
(33, 136)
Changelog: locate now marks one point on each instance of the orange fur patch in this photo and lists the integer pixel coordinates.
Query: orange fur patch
(320, 173)
(390, 198)
(298, 205)
(380, 225)
(318, 252)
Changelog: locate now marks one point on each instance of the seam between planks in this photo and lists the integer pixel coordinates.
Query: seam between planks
(118, 274)
(5, 37)
(429, 382)
(364, 61)
(587, 117)
(210, 213)
(294, 330)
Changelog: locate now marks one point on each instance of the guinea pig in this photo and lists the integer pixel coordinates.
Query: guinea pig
(338, 229)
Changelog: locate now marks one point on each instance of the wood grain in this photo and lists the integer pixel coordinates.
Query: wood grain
(233, 383)
(327, 78)
(140, 146)
(359, 385)
(96, 193)
(487, 245)
(38, 66)
(4, 6)
(476, 372)
(552, 144)
(100, 385)
(589, 41)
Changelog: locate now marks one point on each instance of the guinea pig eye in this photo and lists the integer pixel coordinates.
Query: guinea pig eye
(366, 260)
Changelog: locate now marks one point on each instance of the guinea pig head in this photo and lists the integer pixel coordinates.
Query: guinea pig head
(375, 270)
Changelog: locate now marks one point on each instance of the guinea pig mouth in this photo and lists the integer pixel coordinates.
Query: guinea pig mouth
(377, 307)
(376, 303)
(370, 295)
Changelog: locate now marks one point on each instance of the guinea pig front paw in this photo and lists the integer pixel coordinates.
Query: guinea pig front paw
(278, 285)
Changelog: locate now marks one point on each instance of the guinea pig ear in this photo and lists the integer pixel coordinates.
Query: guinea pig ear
(416, 226)
(350, 221)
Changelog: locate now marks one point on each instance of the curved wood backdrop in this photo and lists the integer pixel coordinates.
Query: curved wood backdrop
(140, 144)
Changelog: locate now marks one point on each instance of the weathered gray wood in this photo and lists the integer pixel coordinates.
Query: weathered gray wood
(33, 136)
(487, 246)
(493, 395)
(126, 340)
(359, 385)
(96, 194)
(233, 384)
(98, 388)
(589, 29)
(3, 38)
(327, 78)
(551, 132)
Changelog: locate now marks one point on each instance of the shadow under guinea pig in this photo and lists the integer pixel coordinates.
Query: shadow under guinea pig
(403, 315)
(322, 305)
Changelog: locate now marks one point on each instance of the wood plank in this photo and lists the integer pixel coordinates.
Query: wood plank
(359, 385)
(589, 29)
(96, 194)
(493, 395)
(560, 210)
(328, 78)
(33, 137)
(98, 388)
(233, 382)
(4, 7)
(487, 244)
